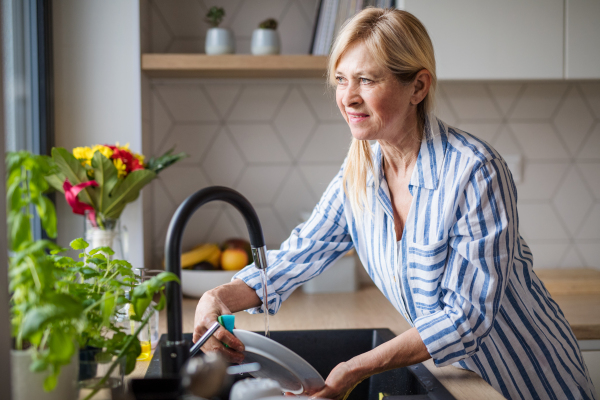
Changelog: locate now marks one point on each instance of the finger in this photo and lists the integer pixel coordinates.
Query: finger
(232, 355)
(199, 330)
(224, 336)
(229, 354)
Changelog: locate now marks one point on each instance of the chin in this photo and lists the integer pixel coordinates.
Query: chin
(360, 134)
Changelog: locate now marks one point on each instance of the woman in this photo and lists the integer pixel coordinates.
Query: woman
(432, 213)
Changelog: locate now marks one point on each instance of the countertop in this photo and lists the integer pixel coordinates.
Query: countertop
(368, 308)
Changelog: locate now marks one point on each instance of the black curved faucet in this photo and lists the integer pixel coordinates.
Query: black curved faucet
(175, 351)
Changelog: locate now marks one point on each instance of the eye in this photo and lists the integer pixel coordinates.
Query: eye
(340, 80)
(365, 81)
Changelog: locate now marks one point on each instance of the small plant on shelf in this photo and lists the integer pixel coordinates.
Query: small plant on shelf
(218, 40)
(265, 39)
(270, 23)
(215, 16)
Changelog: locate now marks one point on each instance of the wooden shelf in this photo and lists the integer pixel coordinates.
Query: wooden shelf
(233, 66)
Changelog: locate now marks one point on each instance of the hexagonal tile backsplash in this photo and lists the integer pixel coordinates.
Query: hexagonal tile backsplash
(281, 141)
(282, 150)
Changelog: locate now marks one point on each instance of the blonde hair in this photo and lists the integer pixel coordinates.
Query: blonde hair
(397, 40)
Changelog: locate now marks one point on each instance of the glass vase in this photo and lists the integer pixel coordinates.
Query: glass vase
(106, 232)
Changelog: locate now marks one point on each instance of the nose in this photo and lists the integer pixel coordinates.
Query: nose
(351, 95)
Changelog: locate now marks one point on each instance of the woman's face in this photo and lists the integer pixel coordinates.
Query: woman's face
(373, 102)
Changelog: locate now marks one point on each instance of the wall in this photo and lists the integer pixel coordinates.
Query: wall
(97, 92)
(279, 142)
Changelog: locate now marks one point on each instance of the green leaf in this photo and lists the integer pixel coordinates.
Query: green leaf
(75, 172)
(165, 277)
(33, 247)
(56, 181)
(79, 244)
(47, 213)
(51, 381)
(159, 163)
(58, 251)
(104, 249)
(127, 191)
(61, 347)
(99, 261)
(38, 366)
(62, 307)
(132, 354)
(106, 175)
(161, 303)
(125, 264)
(108, 307)
(20, 231)
(140, 304)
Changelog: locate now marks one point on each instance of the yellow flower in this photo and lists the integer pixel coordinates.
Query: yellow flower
(140, 158)
(105, 151)
(126, 147)
(83, 154)
(121, 167)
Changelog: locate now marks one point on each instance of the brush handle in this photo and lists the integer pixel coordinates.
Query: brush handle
(196, 347)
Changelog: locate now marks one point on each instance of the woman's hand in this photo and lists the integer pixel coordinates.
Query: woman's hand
(225, 299)
(209, 308)
(340, 383)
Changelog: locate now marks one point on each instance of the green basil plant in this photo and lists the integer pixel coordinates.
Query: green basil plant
(60, 304)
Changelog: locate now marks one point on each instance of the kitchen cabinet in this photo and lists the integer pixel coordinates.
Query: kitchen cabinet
(582, 39)
(486, 39)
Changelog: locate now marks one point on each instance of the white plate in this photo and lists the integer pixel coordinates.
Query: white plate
(278, 362)
(195, 283)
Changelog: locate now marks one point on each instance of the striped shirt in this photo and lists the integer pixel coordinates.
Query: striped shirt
(461, 274)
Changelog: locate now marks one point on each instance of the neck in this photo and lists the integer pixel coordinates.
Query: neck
(400, 156)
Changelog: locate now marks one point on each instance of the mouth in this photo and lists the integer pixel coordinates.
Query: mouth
(357, 117)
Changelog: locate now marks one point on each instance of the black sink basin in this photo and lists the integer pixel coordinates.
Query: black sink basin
(324, 349)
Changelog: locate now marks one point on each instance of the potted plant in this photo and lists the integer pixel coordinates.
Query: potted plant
(265, 39)
(45, 323)
(100, 181)
(59, 305)
(218, 40)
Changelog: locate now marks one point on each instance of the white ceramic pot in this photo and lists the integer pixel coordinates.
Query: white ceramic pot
(265, 41)
(27, 385)
(219, 41)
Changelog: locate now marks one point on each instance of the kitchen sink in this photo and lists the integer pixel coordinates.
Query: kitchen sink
(324, 349)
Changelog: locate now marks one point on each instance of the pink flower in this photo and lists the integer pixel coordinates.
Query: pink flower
(71, 193)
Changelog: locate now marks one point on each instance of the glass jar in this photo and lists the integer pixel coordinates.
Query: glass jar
(99, 231)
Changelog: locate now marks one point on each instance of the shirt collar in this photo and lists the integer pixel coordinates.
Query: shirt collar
(428, 168)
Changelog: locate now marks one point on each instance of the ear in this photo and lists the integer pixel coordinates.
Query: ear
(421, 86)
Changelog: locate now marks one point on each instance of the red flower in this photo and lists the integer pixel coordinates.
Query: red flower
(136, 164)
(71, 193)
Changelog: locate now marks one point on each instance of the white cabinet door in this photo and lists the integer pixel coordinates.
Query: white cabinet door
(491, 39)
(583, 39)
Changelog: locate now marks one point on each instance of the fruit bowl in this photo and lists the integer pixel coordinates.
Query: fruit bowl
(194, 282)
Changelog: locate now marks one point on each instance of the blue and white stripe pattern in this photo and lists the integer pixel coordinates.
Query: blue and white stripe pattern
(461, 273)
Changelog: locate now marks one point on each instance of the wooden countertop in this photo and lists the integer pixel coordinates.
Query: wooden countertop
(368, 308)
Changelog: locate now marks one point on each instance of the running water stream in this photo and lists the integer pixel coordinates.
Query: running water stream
(263, 274)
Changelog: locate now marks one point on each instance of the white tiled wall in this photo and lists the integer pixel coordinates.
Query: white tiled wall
(279, 142)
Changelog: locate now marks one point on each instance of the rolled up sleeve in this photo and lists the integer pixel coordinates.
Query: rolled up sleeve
(311, 248)
(481, 249)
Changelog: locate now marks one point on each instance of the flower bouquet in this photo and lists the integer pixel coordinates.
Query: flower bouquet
(100, 181)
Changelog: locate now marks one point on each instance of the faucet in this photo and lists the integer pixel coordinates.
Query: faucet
(175, 351)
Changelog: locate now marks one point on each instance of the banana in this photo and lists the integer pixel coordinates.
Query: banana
(204, 252)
